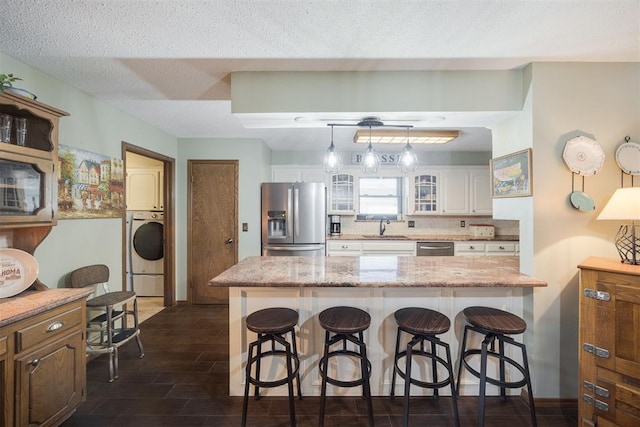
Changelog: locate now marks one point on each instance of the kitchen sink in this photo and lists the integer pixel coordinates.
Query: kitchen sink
(384, 236)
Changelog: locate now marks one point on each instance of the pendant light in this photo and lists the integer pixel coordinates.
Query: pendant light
(332, 163)
(408, 161)
(370, 160)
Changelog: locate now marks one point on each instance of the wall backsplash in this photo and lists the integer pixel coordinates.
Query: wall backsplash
(435, 226)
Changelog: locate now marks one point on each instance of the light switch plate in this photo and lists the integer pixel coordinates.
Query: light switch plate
(245, 226)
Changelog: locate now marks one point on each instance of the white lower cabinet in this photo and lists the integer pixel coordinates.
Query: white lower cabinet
(483, 248)
(370, 247)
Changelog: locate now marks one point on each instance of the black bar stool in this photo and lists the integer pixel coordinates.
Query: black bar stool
(424, 325)
(346, 324)
(272, 324)
(495, 324)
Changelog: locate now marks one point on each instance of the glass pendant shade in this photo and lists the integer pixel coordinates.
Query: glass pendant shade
(370, 160)
(332, 162)
(408, 161)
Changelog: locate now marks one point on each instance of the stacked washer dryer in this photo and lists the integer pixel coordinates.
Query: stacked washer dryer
(147, 252)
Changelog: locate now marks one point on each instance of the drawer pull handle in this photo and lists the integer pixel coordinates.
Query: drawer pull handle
(602, 352)
(603, 406)
(588, 399)
(501, 248)
(55, 326)
(35, 362)
(345, 246)
(589, 348)
(588, 385)
(602, 392)
(597, 295)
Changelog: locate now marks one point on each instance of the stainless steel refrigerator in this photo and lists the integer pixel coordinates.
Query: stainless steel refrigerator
(294, 219)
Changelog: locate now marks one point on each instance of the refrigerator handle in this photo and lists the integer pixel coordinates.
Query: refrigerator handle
(296, 214)
(289, 211)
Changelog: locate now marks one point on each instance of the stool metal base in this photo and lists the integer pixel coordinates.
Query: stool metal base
(290, 354)
(365, 369)
(435, 360)
(488, 350)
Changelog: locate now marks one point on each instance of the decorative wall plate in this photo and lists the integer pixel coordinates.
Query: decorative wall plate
(628, 158)
(18, 271)
(583, 155)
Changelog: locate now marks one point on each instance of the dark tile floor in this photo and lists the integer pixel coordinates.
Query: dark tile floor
(182, 381)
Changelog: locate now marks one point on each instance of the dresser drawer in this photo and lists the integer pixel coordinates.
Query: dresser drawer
(48, 325)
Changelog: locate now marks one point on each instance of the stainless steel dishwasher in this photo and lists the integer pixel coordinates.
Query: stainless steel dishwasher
(434, 249)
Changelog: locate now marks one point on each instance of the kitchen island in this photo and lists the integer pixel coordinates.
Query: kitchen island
(378, 284)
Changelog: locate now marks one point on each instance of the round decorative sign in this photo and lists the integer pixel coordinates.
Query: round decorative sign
(18, 271)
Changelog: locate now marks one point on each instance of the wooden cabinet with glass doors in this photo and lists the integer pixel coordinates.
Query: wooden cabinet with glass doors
(608, 344)
(28, 179)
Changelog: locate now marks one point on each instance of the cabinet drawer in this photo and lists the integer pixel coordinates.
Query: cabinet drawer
(341, 245)
(470, 248)
(492, 248)
(47, 326)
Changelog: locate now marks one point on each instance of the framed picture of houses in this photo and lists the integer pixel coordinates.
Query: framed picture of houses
(90, 185)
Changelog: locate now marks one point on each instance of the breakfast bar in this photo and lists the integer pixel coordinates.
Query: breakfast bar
(379, 285)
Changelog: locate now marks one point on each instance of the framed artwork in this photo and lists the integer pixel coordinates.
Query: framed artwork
(90, 185)
(511, 175)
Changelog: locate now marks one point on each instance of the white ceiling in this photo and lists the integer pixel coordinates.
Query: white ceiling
(168, 62)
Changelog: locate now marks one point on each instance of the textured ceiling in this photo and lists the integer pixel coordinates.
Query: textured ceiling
(168, 62)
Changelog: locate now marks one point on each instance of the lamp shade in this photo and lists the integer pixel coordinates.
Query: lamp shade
(623, 205)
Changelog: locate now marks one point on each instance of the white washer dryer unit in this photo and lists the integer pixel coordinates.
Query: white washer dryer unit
(147, 236)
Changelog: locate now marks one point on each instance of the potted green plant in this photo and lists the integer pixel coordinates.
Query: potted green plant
(6, 85)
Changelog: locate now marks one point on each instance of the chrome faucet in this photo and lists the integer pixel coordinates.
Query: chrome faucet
(382, 227)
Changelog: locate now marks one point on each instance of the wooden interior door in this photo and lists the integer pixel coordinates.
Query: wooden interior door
(212, 222)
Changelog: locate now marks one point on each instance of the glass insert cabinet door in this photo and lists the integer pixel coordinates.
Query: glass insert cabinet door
(425, 194)
(24, 189)
(342, 193)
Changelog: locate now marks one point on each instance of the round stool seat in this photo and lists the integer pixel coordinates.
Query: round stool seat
(272, 320)
(344, 320)
(494, 320)
(422, 321)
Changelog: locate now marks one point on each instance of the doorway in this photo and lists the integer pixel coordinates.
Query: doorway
(212, 227)
(154, 209)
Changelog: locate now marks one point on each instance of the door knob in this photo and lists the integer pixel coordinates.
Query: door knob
(229, 240)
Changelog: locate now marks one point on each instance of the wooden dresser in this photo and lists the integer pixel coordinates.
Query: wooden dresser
(42, 356)
(609, 343)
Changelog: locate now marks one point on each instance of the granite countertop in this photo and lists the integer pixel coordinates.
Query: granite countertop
(376, 271)
(30, 303)
(425, 237)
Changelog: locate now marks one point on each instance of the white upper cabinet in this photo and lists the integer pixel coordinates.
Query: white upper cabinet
(454, 194)
(450, 191)
(145, 189)
(481, 203)
(342, 194)
(423, 194)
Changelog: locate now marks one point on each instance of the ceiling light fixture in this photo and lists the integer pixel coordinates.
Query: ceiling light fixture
(399, 137)
(332, 162)
(408, 161)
